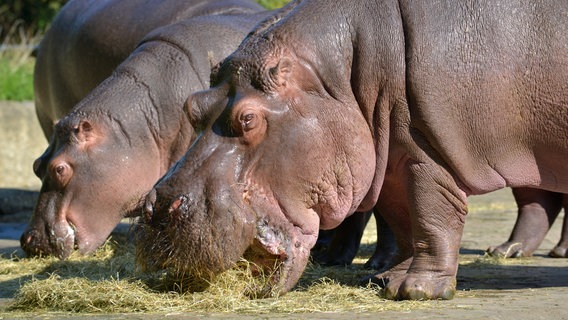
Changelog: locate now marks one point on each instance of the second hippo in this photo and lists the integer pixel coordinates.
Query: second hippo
(119, 138)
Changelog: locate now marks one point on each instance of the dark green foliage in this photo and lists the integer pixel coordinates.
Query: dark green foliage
(26, 18)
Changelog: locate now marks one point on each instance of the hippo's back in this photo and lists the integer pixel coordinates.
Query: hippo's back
(488, 85)
(88, 39)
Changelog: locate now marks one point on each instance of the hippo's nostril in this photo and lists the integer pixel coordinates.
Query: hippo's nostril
(179, 208)
(31, 243)
(27, 238)
(177, 203)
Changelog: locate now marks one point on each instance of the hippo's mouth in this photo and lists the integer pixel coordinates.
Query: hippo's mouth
(194, 241)
(64, 239)
(59, 240)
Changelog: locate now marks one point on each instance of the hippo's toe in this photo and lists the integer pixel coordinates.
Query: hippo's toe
(507, 250)
(558, 252)
(421, 287)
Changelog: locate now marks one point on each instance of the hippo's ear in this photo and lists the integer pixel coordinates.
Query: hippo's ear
(280, 74)
(85, 132)
(199, 107)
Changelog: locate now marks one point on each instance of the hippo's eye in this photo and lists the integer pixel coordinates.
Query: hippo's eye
(61, 173)
(247, 121)
(60, 170)
(251, 125)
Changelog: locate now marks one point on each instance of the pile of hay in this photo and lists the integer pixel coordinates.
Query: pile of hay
(107, 282)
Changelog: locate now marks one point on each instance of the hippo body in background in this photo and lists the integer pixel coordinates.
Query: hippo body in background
(89, 39)
(119, 138)
(407, 107)
(339, 246)
(537, 211)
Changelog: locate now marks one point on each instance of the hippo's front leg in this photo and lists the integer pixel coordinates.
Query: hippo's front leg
(438, 209)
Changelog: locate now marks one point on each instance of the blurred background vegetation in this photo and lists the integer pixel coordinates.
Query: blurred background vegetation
(21, 20)
(22, 23)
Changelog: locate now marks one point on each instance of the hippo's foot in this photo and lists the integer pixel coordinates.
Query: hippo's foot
(421, 286)
(399, 283)
(558, 252)
(327, 257)
(382, 278)
(381, 260)
(509, 249)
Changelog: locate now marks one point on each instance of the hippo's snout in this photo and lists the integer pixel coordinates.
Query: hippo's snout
(58, 240)
(34, 244)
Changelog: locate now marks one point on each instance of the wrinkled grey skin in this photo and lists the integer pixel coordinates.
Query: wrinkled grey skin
(114, 142)
(536, 213)
(408, 107)
(89, 39)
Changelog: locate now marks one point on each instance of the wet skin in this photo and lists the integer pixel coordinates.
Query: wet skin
(407, 108)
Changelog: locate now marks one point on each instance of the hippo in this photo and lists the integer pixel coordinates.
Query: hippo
(537, 211)
(88, 40)
(111, 141)
(330, 108)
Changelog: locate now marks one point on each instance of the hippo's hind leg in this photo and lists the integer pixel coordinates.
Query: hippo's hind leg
(561, 249)
(537, 210)
(339, 246)
(386, 248)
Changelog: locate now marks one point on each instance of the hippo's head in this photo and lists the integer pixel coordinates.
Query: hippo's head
(80, 168)
(278, 157)
(96, 169)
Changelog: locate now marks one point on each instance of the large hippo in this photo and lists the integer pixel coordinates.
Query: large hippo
(119, 138)
(536, 213)
(408, 106)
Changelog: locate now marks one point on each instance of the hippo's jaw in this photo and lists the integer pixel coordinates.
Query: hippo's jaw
(60, 238)
(58, 228)
(285, 233)
(194, 241)
(282, 252)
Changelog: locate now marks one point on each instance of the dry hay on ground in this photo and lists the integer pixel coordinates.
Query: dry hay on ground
(108, 283)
